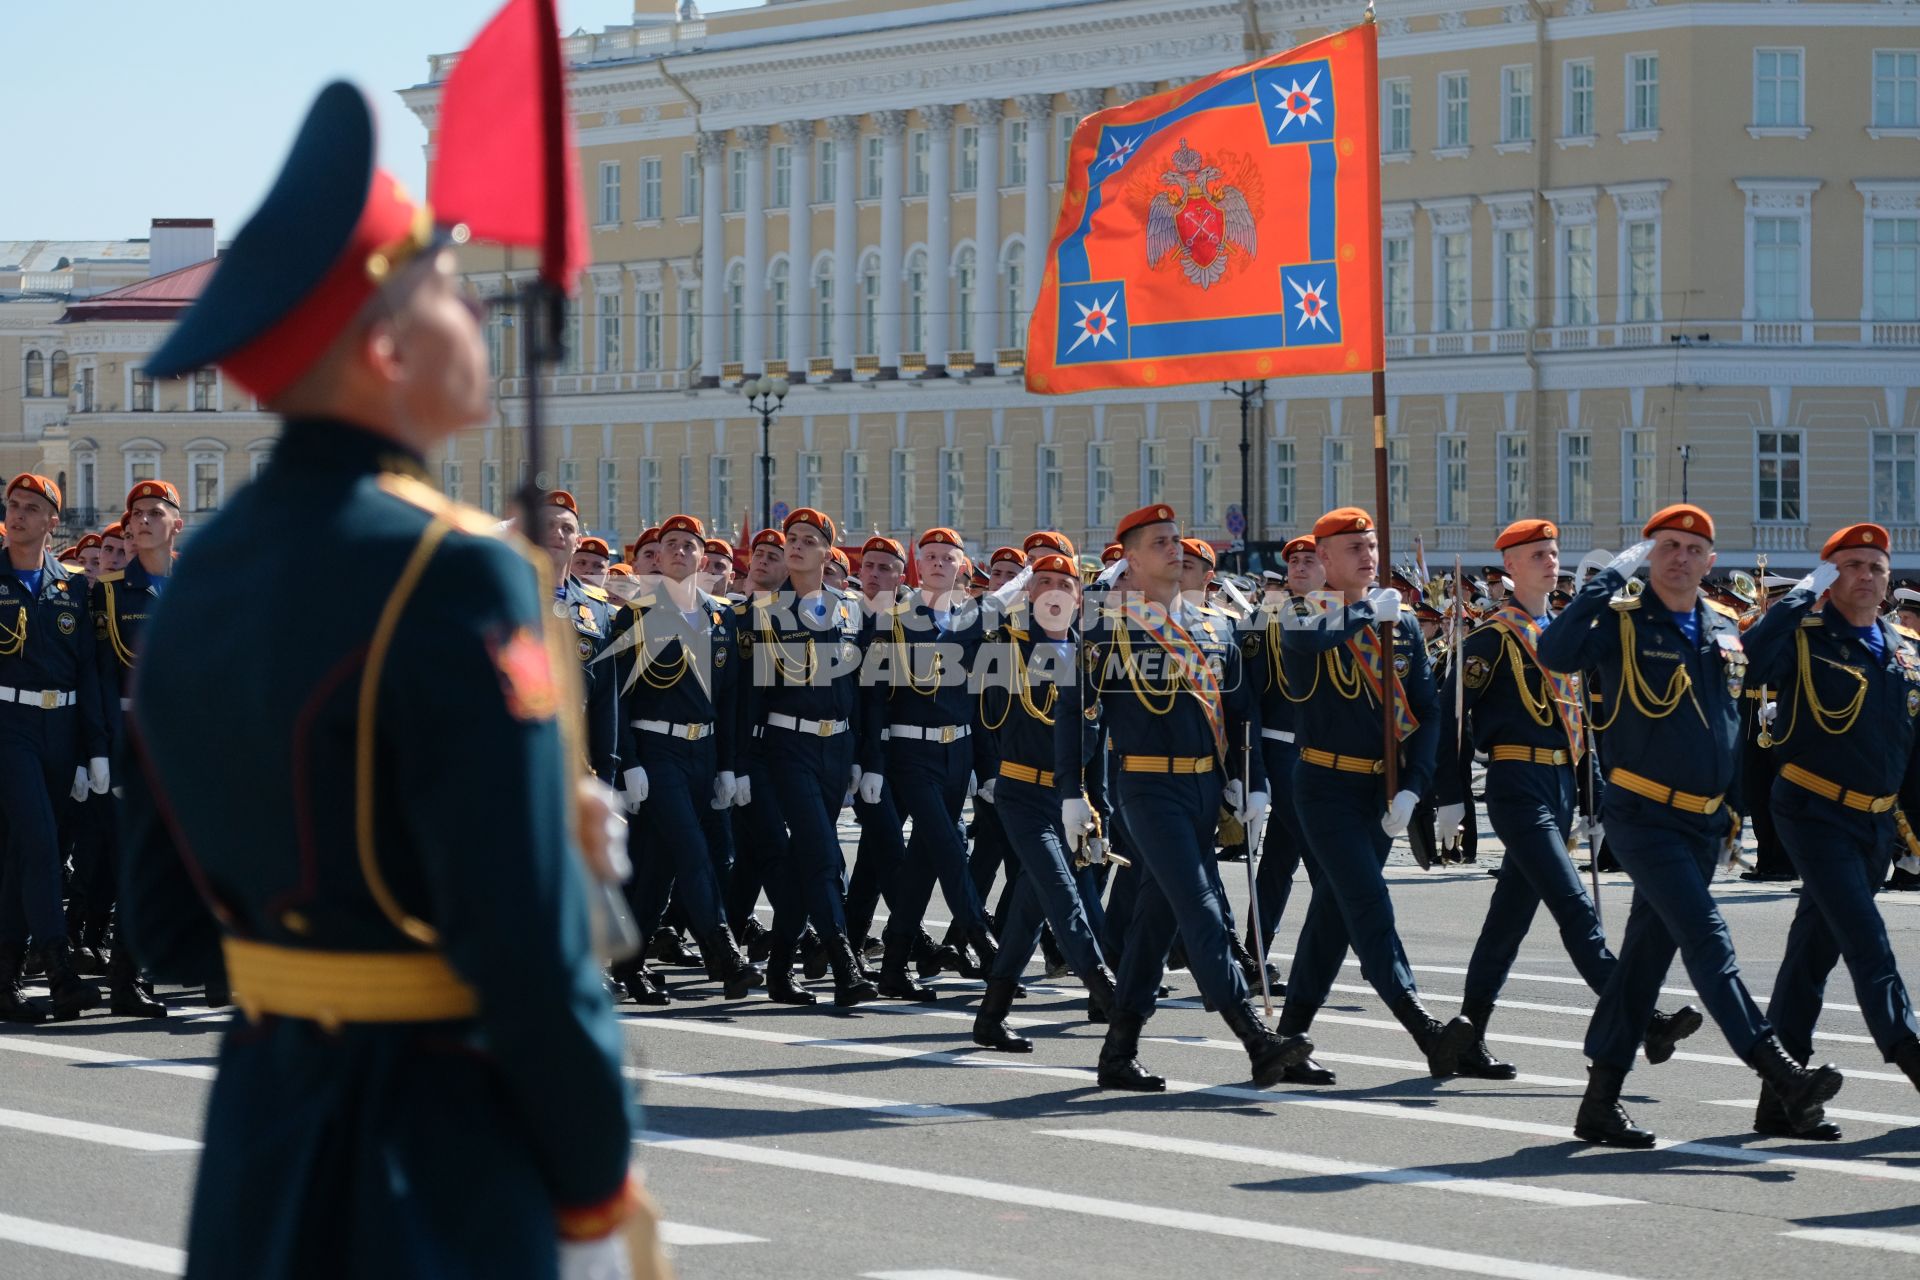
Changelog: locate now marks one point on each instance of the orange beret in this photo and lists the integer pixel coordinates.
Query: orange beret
(40, 485)
(561, 498)
(719, 547)
(1055, 562)
(1111, 552)
(1521, 532)
(1304, 542)
(818, 519)
(620, 570)
(595, 547)
(1342, 520)
(154, 489)
(111, 531)
(651, 534)
(1048, 538)
(1870, 536)
(90, 540)
(1158, 513)
(880, 542)
(1683, 516)
(940, 535)
(839, 557)
(1199, 550)
(1013, 555)
(979, 577)
(684, 524)
(769, 538)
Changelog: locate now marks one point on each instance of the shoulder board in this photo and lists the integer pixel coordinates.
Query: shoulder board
(116, 576)
(1725, 611)
(1814, 621)
(1624, 603)
(419, 493)
(594, 593)
(1212, 612)
(899, 606)
(739, 606)
(1907, 632)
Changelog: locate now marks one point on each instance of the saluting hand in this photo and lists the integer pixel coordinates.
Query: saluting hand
(1820, 579)
(1628, 562)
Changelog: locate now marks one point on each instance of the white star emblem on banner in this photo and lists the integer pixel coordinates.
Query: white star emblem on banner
(1121, 153)
(1298, 102)
(1311, 306)
(1095, 323)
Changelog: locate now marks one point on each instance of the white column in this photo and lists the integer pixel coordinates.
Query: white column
(987, 114)
(713, 256)
(893, 126)
(800, 249)
(1038, 109)
(939, 231)
(753, 299)
(846, 242)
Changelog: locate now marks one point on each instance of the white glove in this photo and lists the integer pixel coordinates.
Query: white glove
(1590, 564)
(97, 775)
(1386, 603)
(1256, 806)
(742, 791)
(1820, 579)
(636, 788)
(1230, 796)
(1256, 832)
(1096, 852)
(1446, 823)
(854, 786)
(1399, 813)
(1076, 815)
(80, 787)
(1596, 834)
(725, 786)
(973, 785)
(604, 1259)
(1630, 560)
(1769, 710)
(1909, 864)
(985, 793)
(870, 784)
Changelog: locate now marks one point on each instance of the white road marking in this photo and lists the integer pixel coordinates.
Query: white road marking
(683, 1235)
(93, 1244)
(926, 1275)
(104, 1134)
(77, 1053)
(1891, 1241)
(1433, 1179)
(811, 1097)
(1144, 1214)
(1891, 1119)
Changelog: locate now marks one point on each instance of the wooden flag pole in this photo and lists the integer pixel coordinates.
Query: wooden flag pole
(1390, 742)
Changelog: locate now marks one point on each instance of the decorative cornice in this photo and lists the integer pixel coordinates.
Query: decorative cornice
(1086, 101)
(844, 130)
(890, 124)
(798, 132)
(753, 136)
(1449, 215)
(938, 117)
(1036, 107)
(713, 146)
(1510, 210)
(987, 111)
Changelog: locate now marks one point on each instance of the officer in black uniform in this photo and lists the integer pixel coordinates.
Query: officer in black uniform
(1849, 701)
(883, 562)
(53, 744)
(596, 619)
(1531, 725)
(766, 570)
(1164, 682)
(1673, 670)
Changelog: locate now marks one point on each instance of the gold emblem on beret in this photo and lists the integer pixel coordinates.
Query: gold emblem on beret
(1360, 523)
(1866, 537)
(1549, 530)
(1686, 522)
(1163, 513)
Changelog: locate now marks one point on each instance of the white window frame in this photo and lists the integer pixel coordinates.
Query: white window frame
(1396, 116)
(650, 330)
(1514, 476)
(736, 175)
(1878, 126)
(202, 454)
(953, 488)
(1506, 315)
(810, 479)
(1445, 447)
(610, 193)
(1153, 471)
(1576, 103)
(607, 504)
(136, 454)
(919, 157)
(1639, 445)
(1635, 125)
(689, 326)
(1063, 126)
(651, 192)
(1898, 514)
(1102, 509)
(1336, 463)
(1443, 239)
(1788, 198)
(1446, 142)
(1761, 457)
(779, 306)
(999, 487)
(781, 171)
(691, 179)
(1637, 204)
(1049, 486)
(1013, 272)
(1780, 127)
(966, 158)
(1208, 510)
(719, 490)
(1516, 96)
(1400, 319)
(452, 475)
(1576, 452)
(826, 169)
(901, 483)
(1572, 211)
(856, 498)
(649, 495)
(1013, 151)
(873, 165)
(490, 485)
(608, 347)
(1282, 496)
(1897, 201)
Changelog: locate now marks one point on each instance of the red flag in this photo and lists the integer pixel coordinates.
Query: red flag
(746, 527)
(504, 162)
(1225, 230)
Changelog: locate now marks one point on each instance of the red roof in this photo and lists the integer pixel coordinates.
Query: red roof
(163, 297)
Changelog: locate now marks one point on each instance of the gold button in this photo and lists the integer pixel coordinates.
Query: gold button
(295, 922)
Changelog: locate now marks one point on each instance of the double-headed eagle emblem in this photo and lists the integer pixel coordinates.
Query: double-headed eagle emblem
(1199, 219)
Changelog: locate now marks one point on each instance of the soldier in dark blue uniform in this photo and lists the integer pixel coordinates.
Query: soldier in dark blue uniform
(596, 619)
(679, 709)
(1531, 726)
(53, 744)
(883, 562)
(1164, 683)
(1673, 670)
(803, 701)
(766, 570)
(1849, 701)
(364, 820)
(1336, 670)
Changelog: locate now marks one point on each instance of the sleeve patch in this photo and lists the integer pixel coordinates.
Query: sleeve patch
(526, 676)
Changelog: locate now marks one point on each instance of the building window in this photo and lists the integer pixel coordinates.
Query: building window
(609, 508)
(690, 185)
(1281, 479)
(1894, 490)
(1515, 477)
(1016, 151)
(572, 357)
(1453, 480)
(142, 393)
(36, 373)
(1455, 125)
(1643, 271)
(1516, 278)
(966, 277)
(490, 486)
(1049, 487)
(1206, 484)
(686, 482)
(85, 482)
(811, 482)
(719, 490)
(1063, 127)
(1455, 303)
(1516, 104)
(966, 154)
(1896, 269)
(736, 310)
(570, 475)
(142, 464)
(1576, 478)
(608, 305)
(1100, 504)
(1579, 103)
(918, 150)
(58, 376)
(823, 307)
(1778, 101)
(1398, 113)
(827, 171)
(855, 486)
(779, 289)
(953, 487)
(870, 306)
(1576, 276)
(86, 390)
(650, 202)
(736, 179)
(206, 390)
(999, 488)
(1776, 268)
(609, 192)
(873, 152)
(900, 492)
(1643, 92)
(204, 479)
(689, 327)
(649, 490)
(497, 343)
(1016, 276)
(1399, 476)
(916, 335)
(1637, 476)
(1778, 491)
(782, 176)
(647, 358)
(1896, 88)
(1399, 284)
(1153, 470)
(1336, 466)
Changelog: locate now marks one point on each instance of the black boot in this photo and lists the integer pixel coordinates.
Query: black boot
(1295, 1018)
(219, 992)
(1100, 993)
(1119, 1056)
(1906, 1056)
(668, 947)
(815, 960)
(758, 941)
(1770, 1118)
(990, 1029)
(1249, 967)
(896, 981)
(1443, 1045)
(1269, 1052)
(934, 958)
(128, 997)
(1801, 1092)
(14, 1006)
(781, 988)
(1477, 1061)
(642, 985)
(980, 937)
(1602, 1119)
(849, 987)
(1307, 1071)
(72, 994)
(1668, 1029)
(726, 964)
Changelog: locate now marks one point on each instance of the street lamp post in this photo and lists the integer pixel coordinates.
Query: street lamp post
(1686, 458)
(1251, 396)
(764, 397)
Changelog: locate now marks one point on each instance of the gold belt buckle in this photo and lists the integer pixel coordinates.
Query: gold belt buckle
(949, 733)
(49, 699)
(824, 728)
(1559, 757)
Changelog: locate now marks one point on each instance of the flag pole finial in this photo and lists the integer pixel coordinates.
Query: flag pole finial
(1368, 17)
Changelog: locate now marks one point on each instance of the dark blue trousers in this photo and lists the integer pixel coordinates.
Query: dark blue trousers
(745, 879)
(1340, 817)
(1281, 847)
(802, 779)
(37, 760)
(673, 856)
(927, 782)
(1842, 857)
(1671, 857)
(1170, 821)
(1048, 891)
(1531, 808)
(875, 858)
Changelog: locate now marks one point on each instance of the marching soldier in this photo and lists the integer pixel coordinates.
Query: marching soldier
(1849, 691)
(592, 558)
(596, 620)
(429, 1076)
(716, 567)
(1673, 670)
(1336, 662)
(1531, 726)
(54, 741)
(883, 564)
(1164, 683)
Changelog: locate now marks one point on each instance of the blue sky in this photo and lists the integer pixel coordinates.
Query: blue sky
(114, 112)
